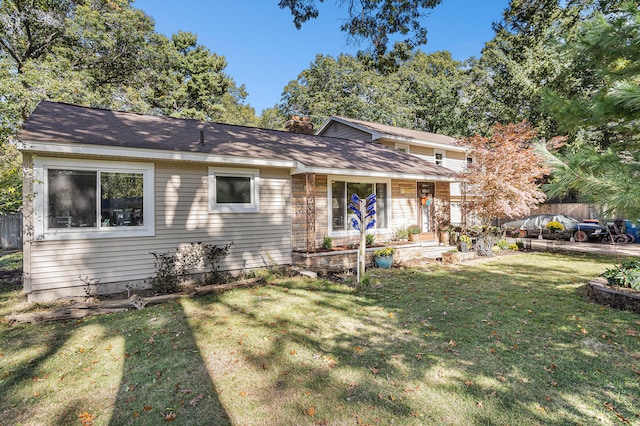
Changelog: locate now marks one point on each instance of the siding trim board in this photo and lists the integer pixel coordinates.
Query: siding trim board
(149, 154)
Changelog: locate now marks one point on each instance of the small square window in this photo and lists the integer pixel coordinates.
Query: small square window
(233, 190)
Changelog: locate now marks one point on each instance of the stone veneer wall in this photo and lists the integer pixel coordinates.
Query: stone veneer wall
(299, 211)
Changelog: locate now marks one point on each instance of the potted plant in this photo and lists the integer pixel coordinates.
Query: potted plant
(384, 257)
(464, 242)
(414, 231)
(442, 221)
(554, 227)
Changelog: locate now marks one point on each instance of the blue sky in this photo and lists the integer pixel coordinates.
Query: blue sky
(264, 51)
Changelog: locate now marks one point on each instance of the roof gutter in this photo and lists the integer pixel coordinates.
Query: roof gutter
(421, 142)
(373, 174)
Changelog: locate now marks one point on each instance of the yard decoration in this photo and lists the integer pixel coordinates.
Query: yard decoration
(363, 220)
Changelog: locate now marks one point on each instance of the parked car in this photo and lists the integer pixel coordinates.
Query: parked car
(532, 226)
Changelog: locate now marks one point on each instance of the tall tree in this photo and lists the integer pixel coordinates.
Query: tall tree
(414, 90)
(189, 81)
(521, 61)
(603, 167)
(503, 180)
(373, 20)
(104, 53)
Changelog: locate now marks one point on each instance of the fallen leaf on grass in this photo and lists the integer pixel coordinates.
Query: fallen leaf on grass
(293, 352)
(243, 394)
(311, 411)
(468, 382)
(609, 406)
(86, 419)
(135, 415)
(147, 408)
(374, 370)
(169, 417)
(196, 399)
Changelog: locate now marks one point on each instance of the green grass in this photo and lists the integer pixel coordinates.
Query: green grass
(506, 341)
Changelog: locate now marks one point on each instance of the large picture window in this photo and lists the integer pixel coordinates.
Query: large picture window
(341, 191)
(92, 199)
(233, 190)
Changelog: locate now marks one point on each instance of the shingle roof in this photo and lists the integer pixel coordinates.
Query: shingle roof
(387, 130)
(72, 124)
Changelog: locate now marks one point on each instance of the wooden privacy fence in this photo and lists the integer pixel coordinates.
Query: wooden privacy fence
(11, 231)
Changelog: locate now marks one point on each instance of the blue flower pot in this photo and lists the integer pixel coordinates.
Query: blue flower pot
(383, 261)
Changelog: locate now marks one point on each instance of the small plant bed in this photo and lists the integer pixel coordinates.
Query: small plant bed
(618, 286)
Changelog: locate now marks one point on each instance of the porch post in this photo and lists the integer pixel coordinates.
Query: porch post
(311, 211)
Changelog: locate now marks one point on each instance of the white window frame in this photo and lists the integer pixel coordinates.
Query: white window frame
(444, 157)
(251, 207)
(41, 195)
(350, 232)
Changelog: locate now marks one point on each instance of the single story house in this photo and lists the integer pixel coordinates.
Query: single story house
(434, 147)
(107, 188)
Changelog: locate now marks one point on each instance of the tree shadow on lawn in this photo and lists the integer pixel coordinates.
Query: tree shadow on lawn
(128, 368)
(471, 347)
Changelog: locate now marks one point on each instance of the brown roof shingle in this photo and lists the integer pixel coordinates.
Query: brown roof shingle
(65, 123)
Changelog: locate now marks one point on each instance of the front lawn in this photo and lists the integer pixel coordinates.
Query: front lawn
(506, 341)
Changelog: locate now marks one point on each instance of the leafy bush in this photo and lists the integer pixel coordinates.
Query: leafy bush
(370, 239)
(327, 243)
(502, 244)
(401, 234)
(172, 269)
(168, 275)
(627, 274)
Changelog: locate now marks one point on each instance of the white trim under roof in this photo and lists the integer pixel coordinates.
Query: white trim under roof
(374, 174)
(421, 142)
(150, 154)
(376, 135)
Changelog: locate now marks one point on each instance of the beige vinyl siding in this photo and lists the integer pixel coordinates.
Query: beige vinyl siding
(338, 130)
(181, 217)
(456, 161)
(422, 151)
(404, 203)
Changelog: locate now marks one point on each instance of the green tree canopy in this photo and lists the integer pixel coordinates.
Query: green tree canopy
(419, 91)
(104, 53)
(602, 166)
(373, 20)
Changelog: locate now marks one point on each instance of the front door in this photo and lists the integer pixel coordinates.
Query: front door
(425, 206)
